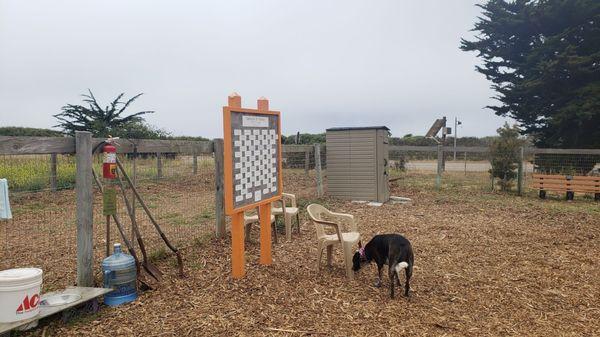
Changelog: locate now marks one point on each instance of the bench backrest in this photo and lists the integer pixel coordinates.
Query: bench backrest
(562, 183)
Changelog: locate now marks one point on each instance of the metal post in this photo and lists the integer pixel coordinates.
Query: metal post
(318, 170)
(53, 180)
(440, 159)
(158, 166)
(306, 161)
(85, 200)
(444, 144)
(219, 188)
(520, 172)
(455, 136)
(195, 162)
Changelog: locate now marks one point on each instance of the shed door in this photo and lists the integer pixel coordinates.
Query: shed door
(338, 163)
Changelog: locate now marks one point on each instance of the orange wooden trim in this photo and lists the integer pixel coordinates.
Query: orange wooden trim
(564, 177)
(555, 187)
(264, 214)
(586, 178)
(228, 164)
(262, 104)
(568, 182)
(592, 187)
(238, 258)
(234, 100)
(250, 111)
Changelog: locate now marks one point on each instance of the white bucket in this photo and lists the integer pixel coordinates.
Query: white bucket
(19, 294)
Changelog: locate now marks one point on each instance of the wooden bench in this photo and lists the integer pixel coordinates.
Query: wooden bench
(566, 183)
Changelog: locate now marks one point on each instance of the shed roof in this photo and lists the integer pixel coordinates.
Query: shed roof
(359, 128)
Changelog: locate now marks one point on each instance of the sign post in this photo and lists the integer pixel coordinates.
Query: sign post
(252, 173)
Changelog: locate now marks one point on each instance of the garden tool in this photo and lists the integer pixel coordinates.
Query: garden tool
(148, 266)
(141, 278)
(156, 225)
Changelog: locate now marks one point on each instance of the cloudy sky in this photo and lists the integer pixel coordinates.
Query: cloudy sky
(321, 63)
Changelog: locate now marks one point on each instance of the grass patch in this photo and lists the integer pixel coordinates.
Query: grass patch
(203, 239)
(158, 255)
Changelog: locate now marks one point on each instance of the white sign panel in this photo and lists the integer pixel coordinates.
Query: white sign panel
(255, 149)
(255, 122)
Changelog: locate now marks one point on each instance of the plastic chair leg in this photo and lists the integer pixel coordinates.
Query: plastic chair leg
(288, 227)
(320, 256)
(329, 255)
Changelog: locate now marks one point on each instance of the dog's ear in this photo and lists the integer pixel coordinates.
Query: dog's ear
(359, 244)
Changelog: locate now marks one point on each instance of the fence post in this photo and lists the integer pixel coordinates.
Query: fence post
(520, 172)
(306, 161)
(318, 170)
(440, 161)
(53, 182)
(85, 199)
(195, 162)
(465, 163)
(133, 199)
(158, 166)
(219, 188)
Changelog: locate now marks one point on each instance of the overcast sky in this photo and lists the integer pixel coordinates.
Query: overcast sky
(321, 63)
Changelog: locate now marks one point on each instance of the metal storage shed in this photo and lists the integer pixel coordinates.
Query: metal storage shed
(357, 163)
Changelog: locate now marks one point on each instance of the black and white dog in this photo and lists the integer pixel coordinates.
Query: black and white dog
(391, 249)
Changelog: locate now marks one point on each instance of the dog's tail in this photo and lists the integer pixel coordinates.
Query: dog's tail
(400, 266)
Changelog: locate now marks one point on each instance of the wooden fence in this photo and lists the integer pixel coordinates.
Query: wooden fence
(82, 144)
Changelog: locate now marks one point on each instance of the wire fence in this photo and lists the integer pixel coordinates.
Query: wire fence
(179, 190)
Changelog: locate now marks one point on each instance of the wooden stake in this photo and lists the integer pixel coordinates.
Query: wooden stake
(238, 259)
(264, 215)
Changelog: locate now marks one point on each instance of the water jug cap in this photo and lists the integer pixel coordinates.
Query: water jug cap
(117, 247)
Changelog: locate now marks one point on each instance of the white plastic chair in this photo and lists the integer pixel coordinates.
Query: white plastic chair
(324, 219)
(288, 212)
(249, 219)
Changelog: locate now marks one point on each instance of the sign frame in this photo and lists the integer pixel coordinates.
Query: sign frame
(228, 183)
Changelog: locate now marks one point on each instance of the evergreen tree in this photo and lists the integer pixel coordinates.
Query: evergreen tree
(543, 58)
(100, 122)
(504, 155)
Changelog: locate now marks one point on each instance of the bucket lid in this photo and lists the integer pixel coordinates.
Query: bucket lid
(19, 276)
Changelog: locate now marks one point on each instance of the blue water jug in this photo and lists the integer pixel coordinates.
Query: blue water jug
(119, 272)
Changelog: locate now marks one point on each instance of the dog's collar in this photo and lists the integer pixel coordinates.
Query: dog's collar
(361, 251)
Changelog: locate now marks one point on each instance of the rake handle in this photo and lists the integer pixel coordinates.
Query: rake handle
(156, 225)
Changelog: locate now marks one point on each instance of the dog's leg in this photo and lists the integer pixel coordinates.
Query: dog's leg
(392, 273)
(407, 284)
(378, 281)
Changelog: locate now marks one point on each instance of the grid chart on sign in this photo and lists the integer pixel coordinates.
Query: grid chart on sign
(255, 164)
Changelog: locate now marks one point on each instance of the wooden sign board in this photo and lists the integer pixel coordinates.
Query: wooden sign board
(435, 128)
(252, 166)
(252, 173)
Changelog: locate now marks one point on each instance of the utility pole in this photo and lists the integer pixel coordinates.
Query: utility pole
(455, 135)
(444, 131)
(456, 124)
